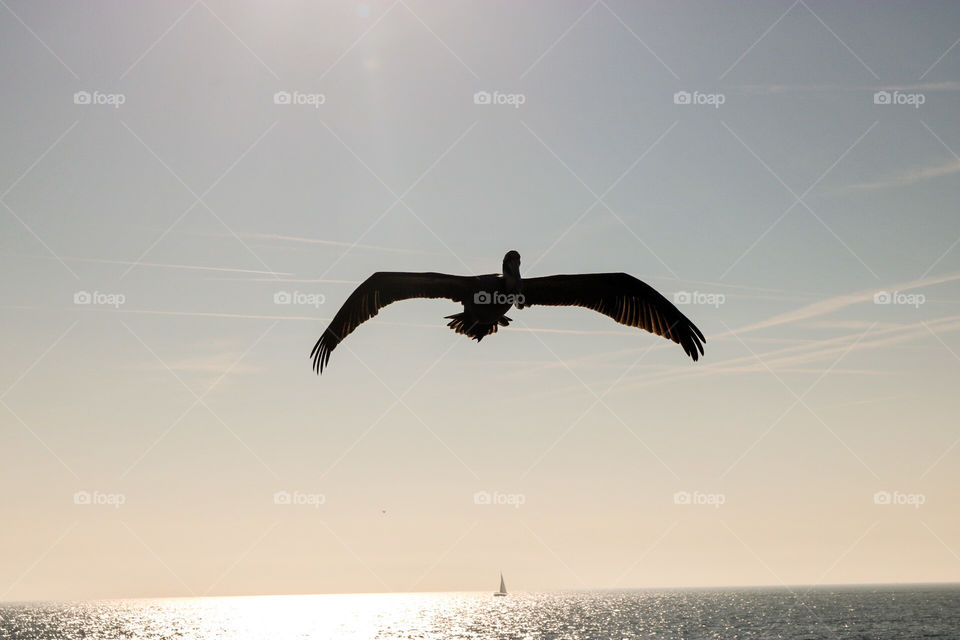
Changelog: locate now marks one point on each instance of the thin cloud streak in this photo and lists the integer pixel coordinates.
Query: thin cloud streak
(154, 264)
(821, 351)
(836, 303)
(321, 241)
(785, 359)
(338, 243)
(907, 178)
(773, 89)
(286, 280)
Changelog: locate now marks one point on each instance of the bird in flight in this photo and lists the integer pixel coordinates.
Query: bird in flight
(487, 298)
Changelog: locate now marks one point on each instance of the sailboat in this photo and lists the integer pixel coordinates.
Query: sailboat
(503, 587)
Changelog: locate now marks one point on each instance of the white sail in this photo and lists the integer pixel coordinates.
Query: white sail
(503, 587)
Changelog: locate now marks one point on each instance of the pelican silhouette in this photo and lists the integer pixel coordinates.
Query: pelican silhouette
(487, 298)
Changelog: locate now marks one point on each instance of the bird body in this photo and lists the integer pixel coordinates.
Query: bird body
(487, 298)
(486, 309)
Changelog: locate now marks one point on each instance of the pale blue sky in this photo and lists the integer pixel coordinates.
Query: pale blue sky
(198, 199)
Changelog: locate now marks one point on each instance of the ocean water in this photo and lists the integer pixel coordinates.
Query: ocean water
(868, 613)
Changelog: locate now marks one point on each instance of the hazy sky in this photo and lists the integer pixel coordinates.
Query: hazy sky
(161, 201)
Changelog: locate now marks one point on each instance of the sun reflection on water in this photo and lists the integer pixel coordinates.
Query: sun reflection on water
(842, 613)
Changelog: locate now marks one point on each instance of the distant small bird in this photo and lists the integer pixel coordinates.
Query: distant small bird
(486, 299)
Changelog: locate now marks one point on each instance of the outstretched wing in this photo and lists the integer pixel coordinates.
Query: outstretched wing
(622, 297)
(378, 291)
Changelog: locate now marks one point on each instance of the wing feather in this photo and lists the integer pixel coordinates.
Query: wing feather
(376, 292)
(622, 297)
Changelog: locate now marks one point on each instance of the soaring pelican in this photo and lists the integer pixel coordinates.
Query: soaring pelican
(486, 299)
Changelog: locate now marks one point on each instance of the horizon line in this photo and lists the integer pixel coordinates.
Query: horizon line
(788, 587)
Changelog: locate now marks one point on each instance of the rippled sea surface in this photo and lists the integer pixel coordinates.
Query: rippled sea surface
(875, 613)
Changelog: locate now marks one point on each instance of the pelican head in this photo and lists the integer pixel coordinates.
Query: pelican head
(511, 264)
